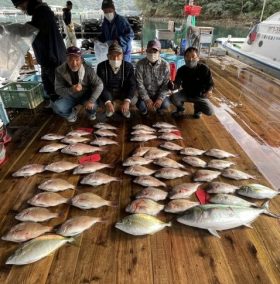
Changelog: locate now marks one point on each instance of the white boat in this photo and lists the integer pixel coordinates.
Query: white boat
(261, 47)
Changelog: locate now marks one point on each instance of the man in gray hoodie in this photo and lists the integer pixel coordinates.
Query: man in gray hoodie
(76, 84)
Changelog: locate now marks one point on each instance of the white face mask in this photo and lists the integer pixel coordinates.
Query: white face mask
(115, 63)
(109, 16)
(153, 57)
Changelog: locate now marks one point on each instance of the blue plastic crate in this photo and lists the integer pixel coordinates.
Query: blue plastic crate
(177, 59)
(33, 78)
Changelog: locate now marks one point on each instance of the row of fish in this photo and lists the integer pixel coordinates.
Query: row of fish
(41, 246)
(144, 133)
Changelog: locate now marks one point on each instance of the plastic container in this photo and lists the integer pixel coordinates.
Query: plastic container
(177, 59)
(22, 95)
(192, 10)
(165, 34)
(32, 78)
(90, 60)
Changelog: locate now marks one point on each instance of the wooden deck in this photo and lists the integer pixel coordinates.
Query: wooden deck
(247, 122)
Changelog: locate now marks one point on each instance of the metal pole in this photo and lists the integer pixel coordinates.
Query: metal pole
(264, 2)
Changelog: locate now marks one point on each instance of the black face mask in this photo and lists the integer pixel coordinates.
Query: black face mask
(191, 64)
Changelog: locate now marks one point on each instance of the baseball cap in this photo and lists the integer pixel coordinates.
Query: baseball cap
(107, 4)
(154, 44)
(73, 50)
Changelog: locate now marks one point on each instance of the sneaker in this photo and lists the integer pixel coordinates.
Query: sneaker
(72, 117)
(197, 115)
(178, 114)
(92, 117)
(109, 113)
(126, 114)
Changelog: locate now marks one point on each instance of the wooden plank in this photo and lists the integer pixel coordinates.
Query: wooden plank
(180, 254)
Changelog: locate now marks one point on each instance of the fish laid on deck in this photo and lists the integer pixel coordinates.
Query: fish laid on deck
(37, 249)
(47, 199)
(183, 190)
(218, 217)
(257, 191)
(205, 175)
(171, 146)
(36, 214)
(89, 200)
(194, 161)
(55, 184)
(90, 167)
(141, 224)
(53, 147)
(168, 163)
(26, 231)
(77, 225)
(61, 166)
(170, 173)
(236, 174)
(219, 154)
(220, 187)
(144, 206)
(153, 193)
(179, 205)
(136, 160)
(97, 178)
(29, 170)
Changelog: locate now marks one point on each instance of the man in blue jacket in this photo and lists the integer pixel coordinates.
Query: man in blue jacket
(116, 27)
(48, 45)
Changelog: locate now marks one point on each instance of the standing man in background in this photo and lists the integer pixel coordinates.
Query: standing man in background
(48, 45)
(116, 27)
(69, 28)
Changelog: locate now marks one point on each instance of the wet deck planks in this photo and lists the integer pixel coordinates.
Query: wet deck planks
(179, 254)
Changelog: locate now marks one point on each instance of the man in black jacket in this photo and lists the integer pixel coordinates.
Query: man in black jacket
(196, 81)
(48, 45)
(119, 81)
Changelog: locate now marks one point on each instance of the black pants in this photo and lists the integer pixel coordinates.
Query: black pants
(48, 78)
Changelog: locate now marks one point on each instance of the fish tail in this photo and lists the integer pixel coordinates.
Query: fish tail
(76, 242)
(113, 204)
(267, 212)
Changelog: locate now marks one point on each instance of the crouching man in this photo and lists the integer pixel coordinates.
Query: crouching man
(76, 84)
(119, 82)
(152, 76)
(196, 82)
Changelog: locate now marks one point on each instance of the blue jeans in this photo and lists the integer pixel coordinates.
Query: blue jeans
(64, 105)
(143, 108)
(201, 104)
